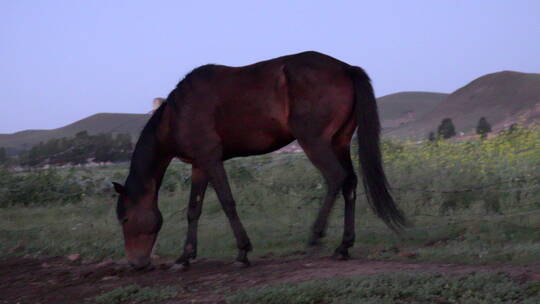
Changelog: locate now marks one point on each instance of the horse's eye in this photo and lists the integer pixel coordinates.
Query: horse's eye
(123, 220)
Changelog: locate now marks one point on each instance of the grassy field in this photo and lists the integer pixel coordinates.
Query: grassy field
(471, 202)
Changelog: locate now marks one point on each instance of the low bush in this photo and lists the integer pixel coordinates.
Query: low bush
(45, 187)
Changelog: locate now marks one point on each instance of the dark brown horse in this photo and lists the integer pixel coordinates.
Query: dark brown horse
(218, 112)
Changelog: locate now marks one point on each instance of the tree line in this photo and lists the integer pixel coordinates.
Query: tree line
(447, 130)
(80, 149)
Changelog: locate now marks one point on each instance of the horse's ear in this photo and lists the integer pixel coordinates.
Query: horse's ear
(118, 188)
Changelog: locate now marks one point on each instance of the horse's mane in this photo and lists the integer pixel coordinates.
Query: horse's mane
(204, 71)
(145, 149)
(154, 120)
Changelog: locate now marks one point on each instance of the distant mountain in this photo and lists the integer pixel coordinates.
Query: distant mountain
(503, 98)
(97, 123)
(404, 107)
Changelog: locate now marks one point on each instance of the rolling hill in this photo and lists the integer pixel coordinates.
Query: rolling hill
(97, 123)
(503, 98)
(404, 107)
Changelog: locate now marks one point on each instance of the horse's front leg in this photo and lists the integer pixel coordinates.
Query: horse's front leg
(218, 178)
(199, 182)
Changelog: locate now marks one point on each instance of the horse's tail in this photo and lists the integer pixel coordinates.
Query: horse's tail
(374, 179)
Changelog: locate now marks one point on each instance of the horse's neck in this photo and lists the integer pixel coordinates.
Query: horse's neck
(148, 165)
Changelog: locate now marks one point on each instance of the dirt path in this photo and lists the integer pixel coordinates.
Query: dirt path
(58, 280)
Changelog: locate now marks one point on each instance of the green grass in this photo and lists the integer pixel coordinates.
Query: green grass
(278, 224)
(397, 288)
(136, 294)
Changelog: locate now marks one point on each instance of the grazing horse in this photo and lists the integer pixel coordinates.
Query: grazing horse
(219, 112)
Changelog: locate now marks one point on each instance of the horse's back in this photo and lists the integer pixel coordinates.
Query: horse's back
(262, 107)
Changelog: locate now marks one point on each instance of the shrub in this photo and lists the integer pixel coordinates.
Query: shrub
(38, 188)
(446, 129)
(483, 128)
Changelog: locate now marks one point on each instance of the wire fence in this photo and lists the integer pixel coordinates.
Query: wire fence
(533, 208)
(280, 191)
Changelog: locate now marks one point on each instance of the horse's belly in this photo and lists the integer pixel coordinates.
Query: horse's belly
(255, 137)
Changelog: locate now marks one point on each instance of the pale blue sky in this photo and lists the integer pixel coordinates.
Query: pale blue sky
(61, 61)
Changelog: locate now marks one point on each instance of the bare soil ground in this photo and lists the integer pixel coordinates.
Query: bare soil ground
(59, 280)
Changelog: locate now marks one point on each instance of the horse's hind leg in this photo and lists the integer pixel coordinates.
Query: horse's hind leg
(322, 155)
(349, 195)
(199, 182)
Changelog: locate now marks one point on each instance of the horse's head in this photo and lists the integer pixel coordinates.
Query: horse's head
(141, 222)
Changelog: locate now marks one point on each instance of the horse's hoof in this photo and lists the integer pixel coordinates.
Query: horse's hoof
(242, 264)
(145, 268)
(179, 267)
(164, 266)
(314, 247)
(315, 239)
(341, 255)
(315, 242)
